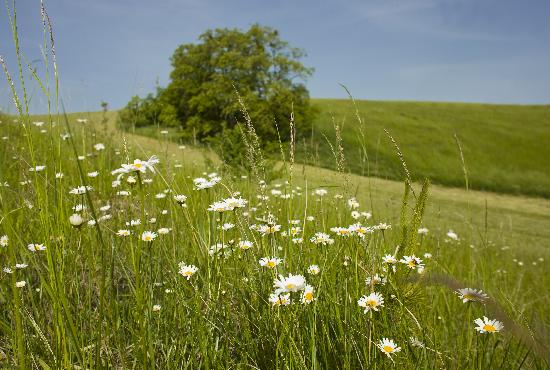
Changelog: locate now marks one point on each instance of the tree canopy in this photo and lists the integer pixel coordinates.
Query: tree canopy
(206, 77)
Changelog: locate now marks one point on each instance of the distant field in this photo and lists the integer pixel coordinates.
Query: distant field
(505, 146)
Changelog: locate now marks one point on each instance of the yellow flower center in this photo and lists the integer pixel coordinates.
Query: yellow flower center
(270, 264)
(372, 303)
(412, 263)
(137, 165)
(388, 349)
(490, 328)
(147, 238)
(188, 273)
(290, 286)
(308, 296)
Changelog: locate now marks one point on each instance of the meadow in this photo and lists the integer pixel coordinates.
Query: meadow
(242, 270)
(503, 145)
(129, 250)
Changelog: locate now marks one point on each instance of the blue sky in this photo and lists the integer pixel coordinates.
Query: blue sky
(439, 50)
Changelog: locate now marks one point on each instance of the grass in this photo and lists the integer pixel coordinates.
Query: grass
(101, 288)
(92, 298)
(504, 145)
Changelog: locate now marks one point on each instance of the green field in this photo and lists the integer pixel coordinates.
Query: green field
(119, 301)
(390, 235)
(505, 146)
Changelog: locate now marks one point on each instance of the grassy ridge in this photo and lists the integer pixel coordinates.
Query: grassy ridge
(505, 146)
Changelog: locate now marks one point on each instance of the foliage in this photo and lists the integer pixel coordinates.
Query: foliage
(142, 112)
(208, 77)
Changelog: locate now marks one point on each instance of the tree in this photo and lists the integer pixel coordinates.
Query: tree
(262, 68)
(151, 110)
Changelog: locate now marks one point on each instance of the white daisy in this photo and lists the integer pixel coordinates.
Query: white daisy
(79, 190)
(313, 270)
(412, 262)
(123, 232)
(220, 207)
(187, 270)
(36, 247)
(227, 226)
(322, 239)
(270, 262)
(268, 229)
(471, 295)
(180, 198)
(245, 244)
(148, 236)
(488, 326)
(388, 346)
(371, 302)
(307, 295)
(389, 259)
(291, 283)
(236, 202)
(279, 300)
(341, 231)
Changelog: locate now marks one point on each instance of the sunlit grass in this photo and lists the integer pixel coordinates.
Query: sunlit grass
(148, 267)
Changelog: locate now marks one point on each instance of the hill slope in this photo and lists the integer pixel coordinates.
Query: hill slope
(515, 221)
(505, 146)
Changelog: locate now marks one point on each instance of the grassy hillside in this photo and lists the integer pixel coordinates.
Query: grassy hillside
(505, 146)
(119, 301)
(513, 221)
